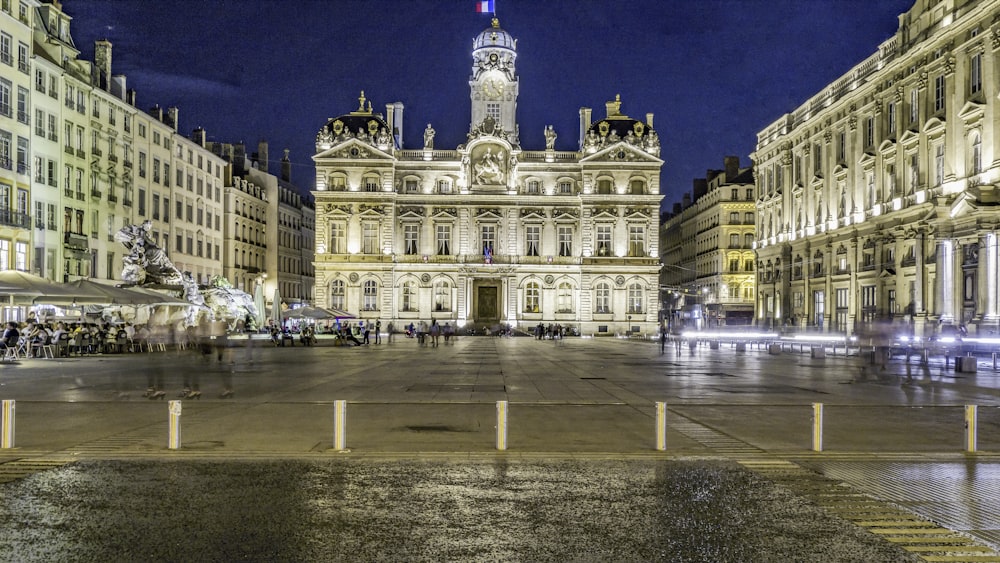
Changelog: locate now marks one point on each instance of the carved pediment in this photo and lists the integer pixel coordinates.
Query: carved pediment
(366, 209)
(412, 212)
(445, 212)
(621, 152)
(605, 213)
(354, 149)
(532, 213)
(637, 212)
(334, 209)
(488, 212)
(971, 111)
(565, 213)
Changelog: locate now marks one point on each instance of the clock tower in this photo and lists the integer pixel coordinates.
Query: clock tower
(493, 85)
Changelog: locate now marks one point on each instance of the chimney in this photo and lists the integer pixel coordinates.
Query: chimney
(262, 155)
(678, 208)
(157, 112)
(130, 97)
(118, 86)
(700, 188)
(732, 165)
(240, 156)
(172, 118)
(198, 136)
(649, 120)
(286, 167)
(584, 124)
(397, 125)
(102, 62)
(686, 201)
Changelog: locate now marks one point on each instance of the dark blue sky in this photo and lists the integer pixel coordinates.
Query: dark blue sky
(714, 72)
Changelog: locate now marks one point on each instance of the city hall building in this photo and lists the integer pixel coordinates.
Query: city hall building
(489, 232)
(877, 197)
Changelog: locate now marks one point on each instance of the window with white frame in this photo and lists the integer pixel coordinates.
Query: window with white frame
(371, 183)
(369, 237)
(565, 234)
(532, 240)
(532, 295)
(636, 240)
(338, 237)
(564, 298)
(565, 187)
(604, 239)
(337, 294)
(409, 296)
(487, 236)
(370, 295)
(4, 254)
(534, 186)
(443, 244)
(602, 298)
(635, 298)
(975, 74)
(442, 296)
(410, 233)
(444, 186)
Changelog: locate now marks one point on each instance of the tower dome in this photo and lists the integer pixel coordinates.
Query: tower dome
(495, 37)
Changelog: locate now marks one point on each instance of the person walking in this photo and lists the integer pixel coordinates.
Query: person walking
(378, 331)
(663, 337)
(392, 329)
(367, 332)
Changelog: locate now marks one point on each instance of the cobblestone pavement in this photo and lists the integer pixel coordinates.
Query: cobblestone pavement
(895, 438)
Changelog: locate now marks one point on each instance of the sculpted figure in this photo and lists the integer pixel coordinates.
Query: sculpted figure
(550, 137)
(429, 137)
(488, 168)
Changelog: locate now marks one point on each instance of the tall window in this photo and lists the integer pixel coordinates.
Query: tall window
(976, 74)
(939, 93)
(604, 240)
(635, 300)
(409, 296)
(4, 254)
(939, 165)
(870, 182)
(442, 296)
(337, 294)
(338, 238)
(734, 240)
(531, 298)
(493, 110)
(564, 298)
(488, 238)
(914, 173)
(977, 154)
(914, 106)
(869, 132)
(602, 298)
(890, 111)
(410, 232)
(443, 240)
(890, 181)
(369, 237)
(565, 241)
(370, 296)
(532, 238)
(636, 240)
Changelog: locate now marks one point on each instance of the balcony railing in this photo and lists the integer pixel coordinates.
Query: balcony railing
(77, 241)
(15, 219)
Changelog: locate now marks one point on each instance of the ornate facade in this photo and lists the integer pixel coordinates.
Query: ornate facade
(489, 233)
(877, 197)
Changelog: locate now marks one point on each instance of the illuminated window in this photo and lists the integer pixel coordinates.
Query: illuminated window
(604, 240)
(410, 232)
(565, 241)
(602, 301)
(337, 294)
(409, 296)
(442, 296)
(369, 237)
(635, 300)
(564, 298)
(443, 240)
(531, 298)
(370, 296)
(488, 235)
(636, 240)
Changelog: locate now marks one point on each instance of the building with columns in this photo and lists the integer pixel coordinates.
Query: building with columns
(708, 256)
(489, 232)
(878, 195)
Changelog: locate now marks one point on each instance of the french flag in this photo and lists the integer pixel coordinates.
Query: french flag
(485, 6)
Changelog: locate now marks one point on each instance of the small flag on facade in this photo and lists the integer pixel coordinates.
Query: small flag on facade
(485, 6)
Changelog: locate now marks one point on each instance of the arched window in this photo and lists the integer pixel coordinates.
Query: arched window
(409, 296)
(604, 186)
(442, 296)
(531, 298)
(602, 298)
(564, 298)
(371, 184)
(636, 187)
(635, 300)
(337, 294)
(370, 296)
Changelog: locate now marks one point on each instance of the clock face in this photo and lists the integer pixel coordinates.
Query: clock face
(493, 87)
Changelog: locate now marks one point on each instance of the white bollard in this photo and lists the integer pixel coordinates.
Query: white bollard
(971, 416)
(817, 427)
(340, 425)
(174, 436)
(661, 426)
(501, 425)
(7, 441)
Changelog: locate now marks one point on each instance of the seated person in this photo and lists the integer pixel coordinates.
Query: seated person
(11, 336)
(307, 337)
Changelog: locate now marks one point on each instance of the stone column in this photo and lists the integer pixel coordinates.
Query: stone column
(944, 306)
(988, 262)
(920, 279)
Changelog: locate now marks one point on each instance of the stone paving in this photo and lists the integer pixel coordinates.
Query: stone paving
(895, 435)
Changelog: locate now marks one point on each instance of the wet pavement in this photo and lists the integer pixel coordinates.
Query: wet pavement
(420, 511)
(420, 479)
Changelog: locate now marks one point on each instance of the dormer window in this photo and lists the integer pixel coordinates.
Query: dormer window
(444, 186)
(534, 187)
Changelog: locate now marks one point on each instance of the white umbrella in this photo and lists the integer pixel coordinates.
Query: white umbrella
(258, 302)
(276, 308)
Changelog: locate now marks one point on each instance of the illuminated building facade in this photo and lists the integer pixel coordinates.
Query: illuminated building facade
(877, 197)
(489, 233)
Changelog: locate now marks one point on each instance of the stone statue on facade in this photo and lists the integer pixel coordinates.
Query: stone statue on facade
(429, 137)
(488, 170)
(550, 137)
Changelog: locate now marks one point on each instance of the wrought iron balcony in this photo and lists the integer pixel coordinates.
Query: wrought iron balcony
(15, 219)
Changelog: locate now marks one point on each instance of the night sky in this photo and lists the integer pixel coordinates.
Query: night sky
(714, 72)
